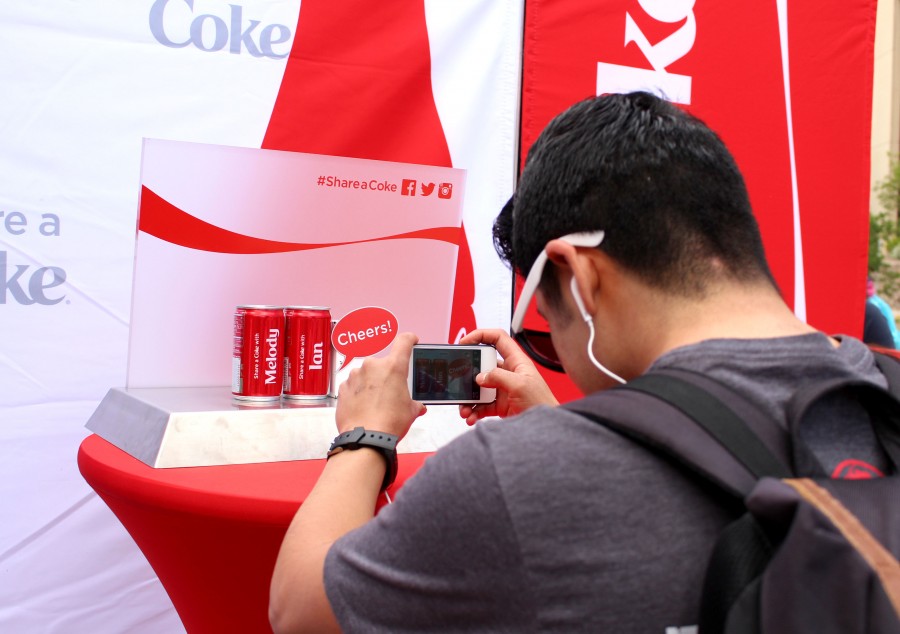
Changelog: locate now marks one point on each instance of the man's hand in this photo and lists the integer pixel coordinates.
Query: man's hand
(376, 395)
(519, 384)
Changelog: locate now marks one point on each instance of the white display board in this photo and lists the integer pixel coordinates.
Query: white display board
(224, 226)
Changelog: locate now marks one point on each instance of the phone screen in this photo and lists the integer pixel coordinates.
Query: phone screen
(445, 374)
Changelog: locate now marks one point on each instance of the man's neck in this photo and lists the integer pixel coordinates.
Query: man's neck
(662, 322)
(735, 312)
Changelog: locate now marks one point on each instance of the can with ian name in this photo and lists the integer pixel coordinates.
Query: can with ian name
(307, 353)
(258, 348)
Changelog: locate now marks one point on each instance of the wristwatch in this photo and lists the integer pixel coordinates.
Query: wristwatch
(385, 444)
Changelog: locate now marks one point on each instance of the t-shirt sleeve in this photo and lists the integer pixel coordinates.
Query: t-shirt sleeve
(443, 557)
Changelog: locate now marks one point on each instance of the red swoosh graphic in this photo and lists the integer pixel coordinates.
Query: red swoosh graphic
(163, 220)
(362, 88)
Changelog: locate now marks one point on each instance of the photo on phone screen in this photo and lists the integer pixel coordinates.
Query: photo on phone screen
(446, 373)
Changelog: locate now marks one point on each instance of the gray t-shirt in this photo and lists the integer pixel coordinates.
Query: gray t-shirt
(550, 522)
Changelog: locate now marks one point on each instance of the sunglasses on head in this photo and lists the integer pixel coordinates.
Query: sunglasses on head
(536, 343)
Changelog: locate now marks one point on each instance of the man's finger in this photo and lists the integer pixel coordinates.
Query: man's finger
(506, 346)
(401, 350)
(482, 411)
(500, 379)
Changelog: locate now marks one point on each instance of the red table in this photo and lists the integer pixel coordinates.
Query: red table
(211, 534)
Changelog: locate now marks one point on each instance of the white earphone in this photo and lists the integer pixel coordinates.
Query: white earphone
(590, 347)
(578, 301)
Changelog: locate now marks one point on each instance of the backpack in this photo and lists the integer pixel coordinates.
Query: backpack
(809, 553)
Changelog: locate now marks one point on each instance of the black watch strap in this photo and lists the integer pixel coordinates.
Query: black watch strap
(385, 444)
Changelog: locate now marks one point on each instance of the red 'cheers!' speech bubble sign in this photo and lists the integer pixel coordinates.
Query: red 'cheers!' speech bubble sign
(364, 332)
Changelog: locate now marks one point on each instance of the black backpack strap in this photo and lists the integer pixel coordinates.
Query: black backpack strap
(732, 581)
(719, 421)
(683, 415)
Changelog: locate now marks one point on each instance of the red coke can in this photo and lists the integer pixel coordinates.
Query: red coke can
(307, 353)
(256, 359)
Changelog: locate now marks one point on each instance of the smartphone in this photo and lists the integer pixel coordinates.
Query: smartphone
(445, 373)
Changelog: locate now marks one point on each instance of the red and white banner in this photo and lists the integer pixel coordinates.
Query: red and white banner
(432, 83)
(787, 84)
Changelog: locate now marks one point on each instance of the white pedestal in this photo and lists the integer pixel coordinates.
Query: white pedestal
(191, 427)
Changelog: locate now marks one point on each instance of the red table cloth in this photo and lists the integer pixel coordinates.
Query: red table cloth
(211, 534)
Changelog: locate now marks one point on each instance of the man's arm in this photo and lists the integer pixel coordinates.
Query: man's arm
(343, 498)
(376, 397)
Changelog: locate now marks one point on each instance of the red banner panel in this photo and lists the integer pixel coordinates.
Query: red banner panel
(786, 84)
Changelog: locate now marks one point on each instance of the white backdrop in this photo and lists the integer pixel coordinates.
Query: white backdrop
(83, 82)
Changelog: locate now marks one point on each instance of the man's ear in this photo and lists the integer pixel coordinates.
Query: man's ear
(576, 261)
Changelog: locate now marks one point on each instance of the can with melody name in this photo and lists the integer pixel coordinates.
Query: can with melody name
(257, 352)
(422, 378)
(307, 352)
(440, 369)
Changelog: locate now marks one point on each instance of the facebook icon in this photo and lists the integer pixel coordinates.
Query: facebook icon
(408, 187)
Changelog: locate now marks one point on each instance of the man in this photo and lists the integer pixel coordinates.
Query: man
(879, 326)
(634, 218)
(876, 331)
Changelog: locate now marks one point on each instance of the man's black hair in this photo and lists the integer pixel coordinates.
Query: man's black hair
(656, 179)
